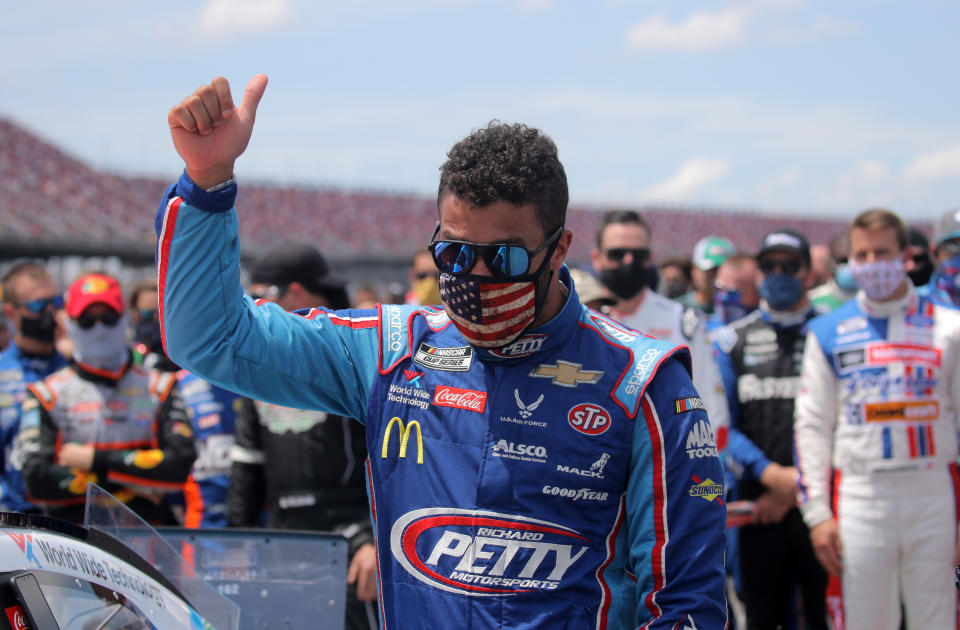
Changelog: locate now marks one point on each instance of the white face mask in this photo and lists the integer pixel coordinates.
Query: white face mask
(102, 347)
(879, 280)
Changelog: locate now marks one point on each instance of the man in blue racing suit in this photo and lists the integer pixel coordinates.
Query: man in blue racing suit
(532, 463)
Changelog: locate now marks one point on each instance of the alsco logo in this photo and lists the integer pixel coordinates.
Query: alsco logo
(468, 399)
(484, 554)
(404, 431)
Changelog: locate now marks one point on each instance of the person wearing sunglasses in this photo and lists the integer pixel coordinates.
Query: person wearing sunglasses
(760, 363)
(31, 304)
(625, 265)
(532, 463)
(876, 439)
(424, 285)
(103, 419)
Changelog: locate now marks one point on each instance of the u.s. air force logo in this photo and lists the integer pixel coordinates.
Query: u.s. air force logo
(484, 554)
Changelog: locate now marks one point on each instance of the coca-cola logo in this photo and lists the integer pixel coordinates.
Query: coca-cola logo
(482, 554)
(468, 399)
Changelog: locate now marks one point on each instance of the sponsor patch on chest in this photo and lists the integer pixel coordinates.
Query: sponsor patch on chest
(456, 359)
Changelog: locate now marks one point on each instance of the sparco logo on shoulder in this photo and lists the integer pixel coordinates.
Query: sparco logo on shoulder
(395, 328)
(484, 554)
(589, 418)
(642, 369)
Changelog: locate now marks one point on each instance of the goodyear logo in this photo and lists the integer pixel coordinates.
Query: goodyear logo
(708, 490)
(404, 431)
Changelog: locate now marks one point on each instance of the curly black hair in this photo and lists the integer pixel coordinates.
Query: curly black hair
(508, 162)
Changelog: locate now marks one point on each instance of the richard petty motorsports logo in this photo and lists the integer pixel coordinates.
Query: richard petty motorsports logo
(484, 554)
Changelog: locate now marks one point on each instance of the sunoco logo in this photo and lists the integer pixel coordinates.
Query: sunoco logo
(484, 554)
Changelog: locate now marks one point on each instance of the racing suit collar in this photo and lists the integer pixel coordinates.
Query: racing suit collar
(785, 319)
(97, 375)
(882, 310)
(545, 337)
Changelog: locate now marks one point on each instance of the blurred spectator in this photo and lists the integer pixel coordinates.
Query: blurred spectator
(675, 277)
(590, 291)
(918, 264)
(623, 261)
(876, 441)
(944, 285)
(819, 265)
(145, 319)
(103, 419)
(708, 254)
(841, 286)
(365, 297)
(760, 364)
(31, 303)
(424, 287)
(4, 332)
(305, 466)
(212, 412)
(735, 290)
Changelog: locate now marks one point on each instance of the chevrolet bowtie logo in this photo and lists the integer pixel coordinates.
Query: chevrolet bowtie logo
(567, 374)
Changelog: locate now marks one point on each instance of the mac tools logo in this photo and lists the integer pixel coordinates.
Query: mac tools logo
(484, 554)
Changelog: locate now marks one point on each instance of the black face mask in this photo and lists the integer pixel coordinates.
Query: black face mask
(41, 328)
(626, 281)
(148, 333)
(921, 275)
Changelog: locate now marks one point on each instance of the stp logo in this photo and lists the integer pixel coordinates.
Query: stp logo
(589, 418)
(484, 554)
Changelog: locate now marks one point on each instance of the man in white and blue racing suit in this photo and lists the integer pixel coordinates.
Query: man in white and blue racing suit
(528, 463)
(876, 441)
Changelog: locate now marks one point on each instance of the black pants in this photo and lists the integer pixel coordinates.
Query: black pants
(773, 559)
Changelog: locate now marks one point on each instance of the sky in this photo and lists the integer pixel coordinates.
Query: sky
(782, 106)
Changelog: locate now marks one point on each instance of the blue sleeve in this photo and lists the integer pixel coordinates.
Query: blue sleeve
(744, 458)
(676, 516)
(326, 361)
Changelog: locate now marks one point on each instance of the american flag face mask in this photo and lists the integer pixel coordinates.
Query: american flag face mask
(488, 314)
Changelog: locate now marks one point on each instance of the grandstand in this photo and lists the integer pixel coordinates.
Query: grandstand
(53, 204)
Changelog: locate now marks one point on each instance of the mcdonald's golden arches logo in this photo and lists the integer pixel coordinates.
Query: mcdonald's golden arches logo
(404, 431)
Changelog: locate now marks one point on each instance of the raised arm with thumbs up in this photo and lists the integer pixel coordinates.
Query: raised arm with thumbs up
(210, 133)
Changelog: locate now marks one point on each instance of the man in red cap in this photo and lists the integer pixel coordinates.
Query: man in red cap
(102, 419)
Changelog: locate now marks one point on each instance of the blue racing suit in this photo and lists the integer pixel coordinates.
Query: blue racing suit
(213, 413)
(17, 370)
(567, 480)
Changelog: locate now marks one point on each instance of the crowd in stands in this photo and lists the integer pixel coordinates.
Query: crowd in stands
(48, 196)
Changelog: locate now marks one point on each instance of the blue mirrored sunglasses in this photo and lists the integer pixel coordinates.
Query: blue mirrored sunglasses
(504, 260)
(38, 306)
